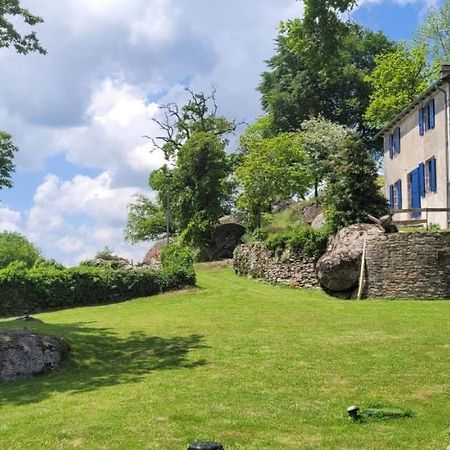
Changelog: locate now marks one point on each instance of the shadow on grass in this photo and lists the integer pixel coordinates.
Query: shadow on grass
(99, 358)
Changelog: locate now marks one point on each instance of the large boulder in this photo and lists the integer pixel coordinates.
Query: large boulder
(227, 236)
(25, 354)
(319, 222)
(310, 213)
(339, 268)
(152, 258)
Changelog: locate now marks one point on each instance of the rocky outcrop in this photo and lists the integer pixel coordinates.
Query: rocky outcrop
(319, 222)
(109, 262)
(227, 237)
(310, 213)
(152, 258)
(339, 268)
(290, 269)
(25, 354)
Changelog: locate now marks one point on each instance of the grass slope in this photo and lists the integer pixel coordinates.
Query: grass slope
(250, 365)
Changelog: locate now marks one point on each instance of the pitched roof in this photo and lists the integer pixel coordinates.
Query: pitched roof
(417, 102)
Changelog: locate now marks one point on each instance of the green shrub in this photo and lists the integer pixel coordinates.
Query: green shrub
(15, 247)
(256, 235)
(25, 291)
(177, 263)
(304, 240)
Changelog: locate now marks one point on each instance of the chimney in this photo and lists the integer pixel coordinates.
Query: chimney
(445, 71)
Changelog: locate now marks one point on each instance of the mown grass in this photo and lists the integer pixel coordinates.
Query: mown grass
(250, 365)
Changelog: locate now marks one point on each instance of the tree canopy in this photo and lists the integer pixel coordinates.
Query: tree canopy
(302, 83)
(193, 188)
(398, 78)
(15, 247)
(352, 191)
(10, 36)
(7, 151)
(273, 169)
(434, 32)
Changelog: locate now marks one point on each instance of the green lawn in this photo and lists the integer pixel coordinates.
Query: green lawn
(250, 365)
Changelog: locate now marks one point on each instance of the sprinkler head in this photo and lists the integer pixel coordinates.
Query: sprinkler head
(353, 412)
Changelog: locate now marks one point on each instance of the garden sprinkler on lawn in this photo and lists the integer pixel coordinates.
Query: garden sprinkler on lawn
(205, 445)
(356, 414)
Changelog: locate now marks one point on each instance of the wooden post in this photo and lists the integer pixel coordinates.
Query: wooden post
(361, 275)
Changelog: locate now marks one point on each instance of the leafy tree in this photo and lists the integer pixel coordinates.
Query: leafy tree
(398, 78)
(351, 191)
(8, 33)
(321, 140)
(15, 247)
(273, 169)
(7, 151)
(23, 44)
(146, 220)
(434, 32)
(193, 187)
(309, 76)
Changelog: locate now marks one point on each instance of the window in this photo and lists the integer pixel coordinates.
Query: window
(430, 175)
(394, 142)
(398, 194)
(427, 117)
(395, 195)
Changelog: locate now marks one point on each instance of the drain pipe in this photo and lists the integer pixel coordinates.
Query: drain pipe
(446, 146)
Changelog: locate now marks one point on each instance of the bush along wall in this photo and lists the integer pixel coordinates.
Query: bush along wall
(26, 291)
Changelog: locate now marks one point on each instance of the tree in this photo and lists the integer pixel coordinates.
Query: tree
(193, 187)
(434, 33)
(308, 78)
(273, 169)
(397, 79)
(321, 140)
(7, 151)
(23, 43)
(15, 247)
(146, 220)
(351, 191)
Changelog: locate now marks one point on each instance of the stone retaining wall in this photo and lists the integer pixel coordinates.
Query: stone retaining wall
(290, 269)
(408, 266)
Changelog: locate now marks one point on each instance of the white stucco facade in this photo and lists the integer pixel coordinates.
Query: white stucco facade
(417, 169)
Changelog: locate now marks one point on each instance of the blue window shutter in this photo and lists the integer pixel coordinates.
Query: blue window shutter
(391, 196)
(398, 139)
(432, 114)
(422, 179)
(391, 146)
(433, 176)
(421, 122)
(399, 194)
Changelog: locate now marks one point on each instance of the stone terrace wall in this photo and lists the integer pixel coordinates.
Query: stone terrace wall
(289, 269)
(408, 266)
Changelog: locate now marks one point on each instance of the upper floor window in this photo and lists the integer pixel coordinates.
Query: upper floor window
(427, 117)
(394, 142)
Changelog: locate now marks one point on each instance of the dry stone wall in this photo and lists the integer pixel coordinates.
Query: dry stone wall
(290, 269)
(415, 266)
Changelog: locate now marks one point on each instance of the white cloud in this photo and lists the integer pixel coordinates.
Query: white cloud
(88, 99)
(77, 217)
(9, 219)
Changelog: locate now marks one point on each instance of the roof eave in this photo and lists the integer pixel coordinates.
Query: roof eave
(418, 101)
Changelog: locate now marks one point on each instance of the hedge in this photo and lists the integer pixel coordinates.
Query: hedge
(26, 291)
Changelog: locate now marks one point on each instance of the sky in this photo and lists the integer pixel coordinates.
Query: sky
(79, 114)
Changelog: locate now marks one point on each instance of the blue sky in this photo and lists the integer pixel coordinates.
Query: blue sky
(78, 114)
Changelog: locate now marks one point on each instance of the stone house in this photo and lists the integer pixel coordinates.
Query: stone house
(416, 156)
